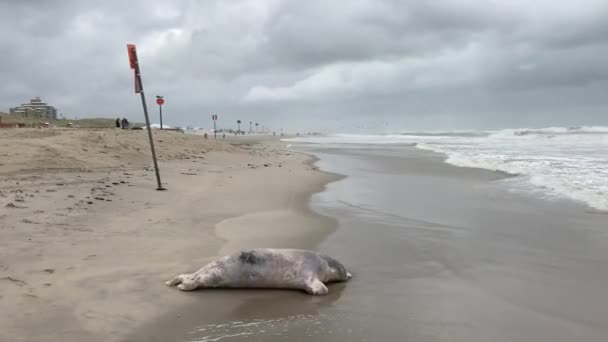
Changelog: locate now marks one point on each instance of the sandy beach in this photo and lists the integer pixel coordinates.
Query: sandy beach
(86, 242)
(438, 252)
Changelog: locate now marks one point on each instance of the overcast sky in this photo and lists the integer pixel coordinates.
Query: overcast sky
(334, 65)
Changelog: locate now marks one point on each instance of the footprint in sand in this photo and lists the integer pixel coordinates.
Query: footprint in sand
(13, 205)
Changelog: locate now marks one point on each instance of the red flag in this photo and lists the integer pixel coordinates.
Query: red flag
(134, 65)
(132, 55)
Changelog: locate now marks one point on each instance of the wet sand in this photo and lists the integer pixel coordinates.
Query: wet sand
(438, 253)
(449, 254)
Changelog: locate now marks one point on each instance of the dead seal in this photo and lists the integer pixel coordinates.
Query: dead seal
(267, 268)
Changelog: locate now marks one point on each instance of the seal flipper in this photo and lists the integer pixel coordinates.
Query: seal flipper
(188, 285)
(184, 282)
(177, 280)
(316, 287)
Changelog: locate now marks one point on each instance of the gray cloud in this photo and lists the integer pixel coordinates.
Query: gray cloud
(337, 64)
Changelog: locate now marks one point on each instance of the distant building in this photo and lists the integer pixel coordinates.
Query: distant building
(36, 108)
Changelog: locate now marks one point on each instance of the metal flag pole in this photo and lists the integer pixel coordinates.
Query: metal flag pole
(139, 88)
(160, 109)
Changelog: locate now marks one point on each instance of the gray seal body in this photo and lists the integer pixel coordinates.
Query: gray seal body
(267, 268)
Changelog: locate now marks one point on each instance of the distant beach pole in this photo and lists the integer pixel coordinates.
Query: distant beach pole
(160, 102)
(214, 118)
(139, 88)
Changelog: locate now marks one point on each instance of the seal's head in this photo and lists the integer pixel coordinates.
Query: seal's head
(337, 271)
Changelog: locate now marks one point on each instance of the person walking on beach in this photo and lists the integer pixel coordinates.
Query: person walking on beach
(125, 123)
(117, 122)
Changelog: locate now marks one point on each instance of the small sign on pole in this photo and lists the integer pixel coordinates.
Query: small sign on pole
(214, 118)
(139, 88)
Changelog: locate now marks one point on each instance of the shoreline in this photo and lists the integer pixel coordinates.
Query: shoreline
(84, 255)
(427, 239)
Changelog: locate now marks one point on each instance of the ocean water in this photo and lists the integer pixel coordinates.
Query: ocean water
(550, 162)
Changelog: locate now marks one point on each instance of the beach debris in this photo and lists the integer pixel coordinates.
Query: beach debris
(49, 270)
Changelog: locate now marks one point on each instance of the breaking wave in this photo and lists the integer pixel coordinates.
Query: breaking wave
(569, 162)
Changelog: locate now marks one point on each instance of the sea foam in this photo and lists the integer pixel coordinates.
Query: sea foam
(569, 162)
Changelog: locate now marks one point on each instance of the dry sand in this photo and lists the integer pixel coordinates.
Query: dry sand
(86, 242)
